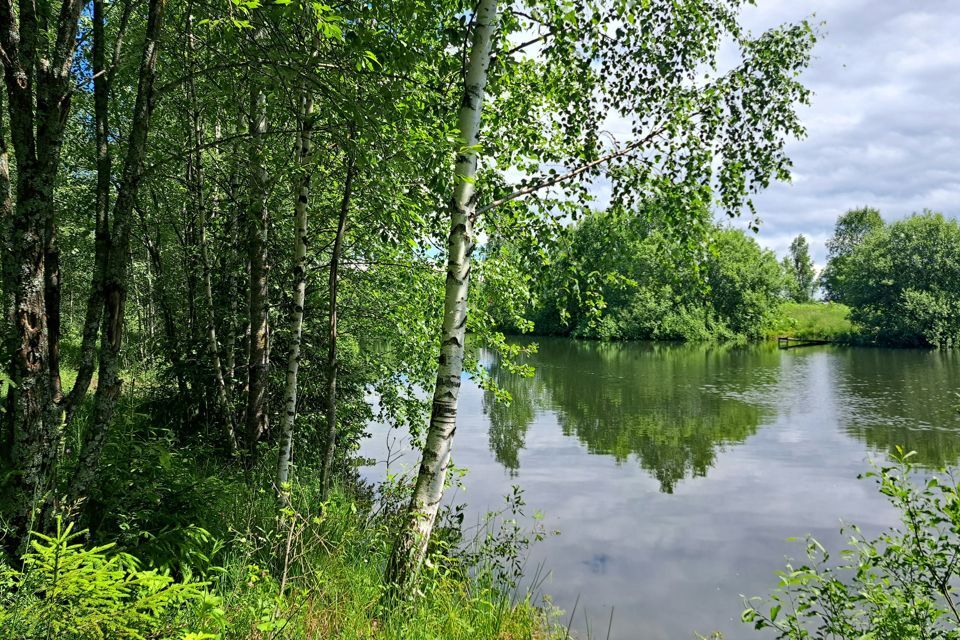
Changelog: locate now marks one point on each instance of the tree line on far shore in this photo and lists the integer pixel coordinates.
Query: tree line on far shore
(618, 276)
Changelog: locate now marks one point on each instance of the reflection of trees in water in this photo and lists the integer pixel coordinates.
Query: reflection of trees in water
(509, 421)
(653, 402)
(906, 398)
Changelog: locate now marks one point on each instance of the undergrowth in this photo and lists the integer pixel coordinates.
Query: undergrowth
(178, 544)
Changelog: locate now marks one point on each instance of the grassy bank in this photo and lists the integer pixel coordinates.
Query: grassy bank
(176, 543)
(813, 320)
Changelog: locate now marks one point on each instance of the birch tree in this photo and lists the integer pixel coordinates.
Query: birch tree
(695, 131)
(411, 546)
(116, 277)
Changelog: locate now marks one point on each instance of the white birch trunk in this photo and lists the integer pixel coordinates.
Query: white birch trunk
(333, 363)
(410, 548)
(299, 296)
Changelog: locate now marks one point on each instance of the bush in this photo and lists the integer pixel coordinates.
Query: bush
(625, 276)
(898, 586)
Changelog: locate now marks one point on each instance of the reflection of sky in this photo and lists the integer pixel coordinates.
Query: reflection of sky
(675, 564)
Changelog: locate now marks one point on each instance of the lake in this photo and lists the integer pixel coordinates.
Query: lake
(675, 474)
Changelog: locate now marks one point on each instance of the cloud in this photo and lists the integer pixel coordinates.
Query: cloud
(883, 128)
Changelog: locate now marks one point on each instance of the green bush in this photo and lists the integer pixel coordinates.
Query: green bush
(626, 276)
(899, 586)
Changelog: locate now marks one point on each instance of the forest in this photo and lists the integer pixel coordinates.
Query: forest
(237, 233)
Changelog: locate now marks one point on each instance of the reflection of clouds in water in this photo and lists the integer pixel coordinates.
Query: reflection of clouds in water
(674, 564)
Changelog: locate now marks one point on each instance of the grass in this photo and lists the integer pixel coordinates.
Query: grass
(326, 582)
(298, 570)
(814, 320)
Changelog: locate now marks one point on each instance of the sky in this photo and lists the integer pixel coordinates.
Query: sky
(884, 123)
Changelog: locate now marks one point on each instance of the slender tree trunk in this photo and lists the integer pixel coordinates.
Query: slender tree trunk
(230, 284)
(51, 295)
(257, 312)
(224, 416)
(8, 275)
(94, 310)
(410, 547)
(332, 363)
(118, 264)
(229, 264)
(305, 155)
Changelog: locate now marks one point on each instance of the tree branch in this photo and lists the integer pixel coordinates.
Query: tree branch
(564, 177)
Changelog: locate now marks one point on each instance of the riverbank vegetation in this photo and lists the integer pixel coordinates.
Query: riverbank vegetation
(201, 550)
(629, 276)
(901, 281)
(900, 584)
(612, 276)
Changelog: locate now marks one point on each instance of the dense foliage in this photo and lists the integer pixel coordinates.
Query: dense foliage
(234, 233)
(628, 276)
(901, 584)
(199, 551)
(902, 282)
(852, 228)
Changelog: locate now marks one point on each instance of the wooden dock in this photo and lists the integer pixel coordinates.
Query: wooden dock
(784, 342)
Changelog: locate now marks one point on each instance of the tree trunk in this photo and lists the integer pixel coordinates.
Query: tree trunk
(410, 547)
(257, 312)
(332, 364)
(8, 275)
(116, 277)
(232, 292)
(38, 82)
(232, 286)
(305, 154)
(224, 416)
(94, 311)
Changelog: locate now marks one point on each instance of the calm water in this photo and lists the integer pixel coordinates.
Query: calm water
(676, 473)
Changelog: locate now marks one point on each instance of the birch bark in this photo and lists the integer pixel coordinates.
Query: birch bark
(333, 364)
(257, 234)
(305, 154)
(411, 546)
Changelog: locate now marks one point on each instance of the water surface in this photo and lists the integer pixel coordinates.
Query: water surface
(675, 474)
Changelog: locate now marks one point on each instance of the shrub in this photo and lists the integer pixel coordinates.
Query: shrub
(903, 282)
(898, 586)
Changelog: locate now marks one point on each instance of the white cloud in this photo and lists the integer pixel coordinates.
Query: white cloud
(883, 128)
